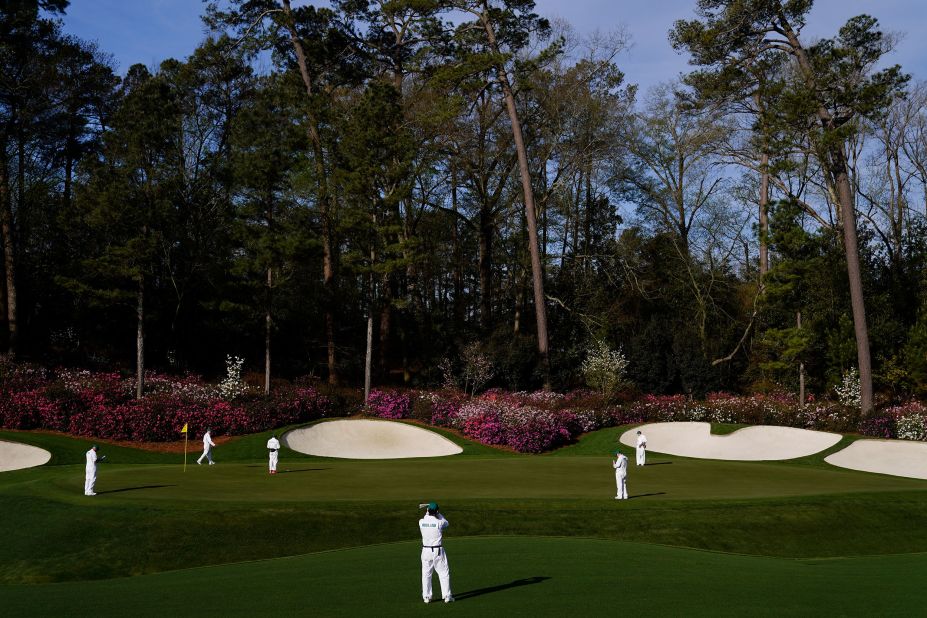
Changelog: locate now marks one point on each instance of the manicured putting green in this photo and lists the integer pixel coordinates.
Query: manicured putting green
(504, 577)
(452, 478)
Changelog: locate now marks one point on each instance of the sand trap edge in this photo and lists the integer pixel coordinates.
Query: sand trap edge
(378, 439)
(694, 439)
(19, 456)
(904, 458)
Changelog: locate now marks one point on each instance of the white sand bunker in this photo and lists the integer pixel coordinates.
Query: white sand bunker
(760, 443)
(15, 456)
(364, 439)
(895, 457)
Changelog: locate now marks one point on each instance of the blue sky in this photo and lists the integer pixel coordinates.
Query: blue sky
(148, 31)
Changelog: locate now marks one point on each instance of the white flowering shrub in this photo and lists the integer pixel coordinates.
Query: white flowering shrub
(911, 427)
(848, 392)
(448, 380)
(604, 369)
(232, 386)
(477, 370)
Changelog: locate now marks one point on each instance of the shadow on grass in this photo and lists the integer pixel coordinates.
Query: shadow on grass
(302, 470)
(658, 493)
(264, 466)
(537, 579)
(117, 491)
(659, 463)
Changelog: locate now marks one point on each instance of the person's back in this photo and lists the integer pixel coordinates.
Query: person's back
(621, 465)
(432, 527)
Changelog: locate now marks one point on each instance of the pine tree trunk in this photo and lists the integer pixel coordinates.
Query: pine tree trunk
(458, 258)
(764, 215)
(268, 323)
(854, 273)
(4, 205)
(140, 338)
(328, 245)
(839, 171)
(537, 272)
(9, 256)
(485, 266)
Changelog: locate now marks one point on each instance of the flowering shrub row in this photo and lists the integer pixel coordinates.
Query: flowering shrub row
(536, 422)
(101, 405)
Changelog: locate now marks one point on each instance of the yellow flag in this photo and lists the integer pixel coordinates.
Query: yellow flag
(184, 430)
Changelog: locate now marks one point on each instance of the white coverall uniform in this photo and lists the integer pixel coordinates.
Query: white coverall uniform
(90, 476)
(621, 476)
(641, 449)
(207, 449)
(273, 445)
(433, 556)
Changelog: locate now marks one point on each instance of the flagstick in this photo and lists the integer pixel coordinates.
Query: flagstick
(185, 450)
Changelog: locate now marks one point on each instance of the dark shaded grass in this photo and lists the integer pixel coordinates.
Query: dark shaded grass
(48, 541)
(504, 576)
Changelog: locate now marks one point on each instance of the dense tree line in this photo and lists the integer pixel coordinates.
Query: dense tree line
(394, 180)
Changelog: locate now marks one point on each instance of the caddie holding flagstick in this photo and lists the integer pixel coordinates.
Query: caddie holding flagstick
(432, 526)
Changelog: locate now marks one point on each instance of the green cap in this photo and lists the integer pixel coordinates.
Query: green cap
(616, 452)
(432, 506)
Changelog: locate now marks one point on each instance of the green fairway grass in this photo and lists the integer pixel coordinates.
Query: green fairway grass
(504, 576)
(150, 518)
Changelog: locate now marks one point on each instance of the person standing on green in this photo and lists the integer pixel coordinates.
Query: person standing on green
(621, 475)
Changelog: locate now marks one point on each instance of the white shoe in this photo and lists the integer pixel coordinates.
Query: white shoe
(92, 493)
(448, 599)
(427, 600)
(212, 463)
(199, 463)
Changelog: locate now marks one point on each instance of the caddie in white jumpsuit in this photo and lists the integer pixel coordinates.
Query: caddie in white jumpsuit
(621, 475)
(90, 475)
(434, 558)
(273, 448)
(207, 448)
(641, 448)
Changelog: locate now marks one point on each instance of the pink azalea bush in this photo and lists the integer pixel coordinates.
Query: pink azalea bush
(389, 404)
(508, 419)
(102, 405)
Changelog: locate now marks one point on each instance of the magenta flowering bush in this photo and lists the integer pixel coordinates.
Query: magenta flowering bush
(443, 410)
(101, 405)
(508, 420)
(389, 404)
